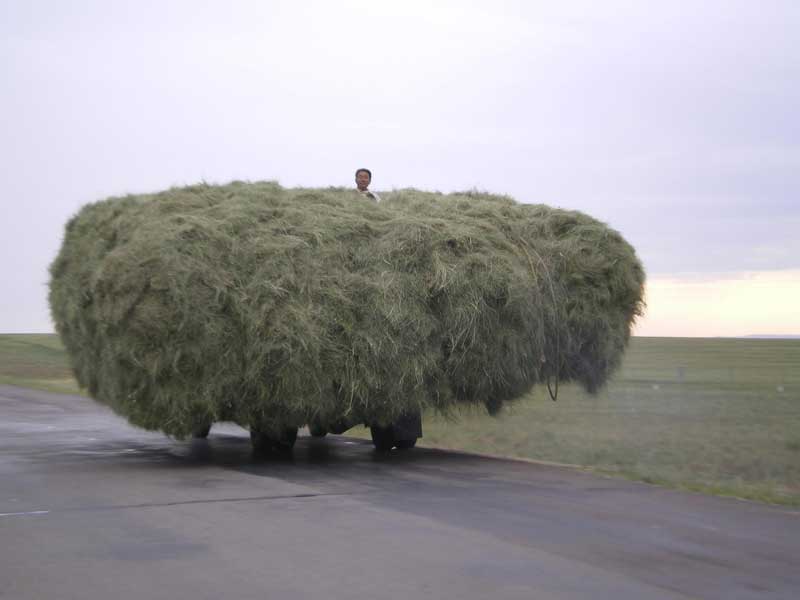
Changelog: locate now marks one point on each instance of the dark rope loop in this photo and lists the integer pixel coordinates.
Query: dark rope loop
(553, 395)
(525, 248)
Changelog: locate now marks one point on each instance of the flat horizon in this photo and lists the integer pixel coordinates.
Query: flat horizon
(754, 336)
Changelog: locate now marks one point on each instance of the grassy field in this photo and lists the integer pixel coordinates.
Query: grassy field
(713, 415)
(35, 361)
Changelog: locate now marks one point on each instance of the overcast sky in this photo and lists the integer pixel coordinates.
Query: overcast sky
(675, 122)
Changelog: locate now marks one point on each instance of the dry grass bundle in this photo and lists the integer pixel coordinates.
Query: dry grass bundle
(276, 307)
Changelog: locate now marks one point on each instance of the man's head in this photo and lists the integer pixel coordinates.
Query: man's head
(363, 179)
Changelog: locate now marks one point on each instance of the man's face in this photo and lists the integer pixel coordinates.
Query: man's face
(362, 180)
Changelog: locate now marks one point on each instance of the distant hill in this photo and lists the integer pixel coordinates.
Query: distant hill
(787, 336)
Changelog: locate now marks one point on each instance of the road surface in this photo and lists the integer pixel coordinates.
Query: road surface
(92, 508)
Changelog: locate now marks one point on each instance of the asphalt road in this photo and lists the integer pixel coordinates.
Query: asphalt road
(91, 508)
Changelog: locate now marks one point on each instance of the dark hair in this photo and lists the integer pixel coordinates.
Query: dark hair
(367, 171)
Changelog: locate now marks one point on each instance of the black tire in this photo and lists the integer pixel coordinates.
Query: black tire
(287, 439)
(317, 430)
(382, 438)
(406, 444)
(201, 433)
(263, 443)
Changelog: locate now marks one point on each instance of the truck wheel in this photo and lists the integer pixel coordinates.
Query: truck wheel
(286, 442)
(406, 444)
(201, 433)
(264, 443)
(261, 442)
(382, 438)
(317, 430)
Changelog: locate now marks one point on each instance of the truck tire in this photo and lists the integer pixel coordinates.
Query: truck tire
(201, 433)
(402, 434)
(317, 430)
(382, 438)
(263, 443)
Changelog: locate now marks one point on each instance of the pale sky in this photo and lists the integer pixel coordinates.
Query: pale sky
(675, 122)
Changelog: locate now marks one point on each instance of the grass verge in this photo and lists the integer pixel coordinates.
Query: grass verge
(36, 361)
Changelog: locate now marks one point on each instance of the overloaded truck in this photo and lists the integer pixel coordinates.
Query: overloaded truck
(279, 308)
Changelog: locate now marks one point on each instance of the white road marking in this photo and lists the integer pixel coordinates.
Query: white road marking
(25, 514)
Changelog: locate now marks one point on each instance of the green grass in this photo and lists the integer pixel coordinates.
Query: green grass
(36, 361)
(719, 416)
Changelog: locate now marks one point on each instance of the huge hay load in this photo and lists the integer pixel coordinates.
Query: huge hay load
(275, 308)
